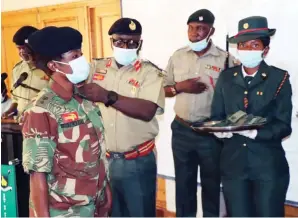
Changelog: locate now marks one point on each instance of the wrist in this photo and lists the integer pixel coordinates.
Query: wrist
(177, 88)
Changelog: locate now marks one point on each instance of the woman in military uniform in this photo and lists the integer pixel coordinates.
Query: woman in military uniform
(254, 169)
(63, 146)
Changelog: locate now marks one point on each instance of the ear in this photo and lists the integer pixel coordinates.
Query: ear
(111, 40)
(52, 66)
(266, 51)
(141, 44)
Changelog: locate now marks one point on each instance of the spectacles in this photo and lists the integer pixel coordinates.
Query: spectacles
(130, 44)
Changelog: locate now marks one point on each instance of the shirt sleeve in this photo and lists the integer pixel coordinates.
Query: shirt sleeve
(152, 90)
(280, 126)
(39, 131)
(169, 79)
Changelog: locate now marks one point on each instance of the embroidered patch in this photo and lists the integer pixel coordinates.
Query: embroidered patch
(214, 68)
(134, 83)
(98, 76)
(70, 117)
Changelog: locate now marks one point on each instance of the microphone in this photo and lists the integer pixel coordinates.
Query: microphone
(21, 79)
(3, 76)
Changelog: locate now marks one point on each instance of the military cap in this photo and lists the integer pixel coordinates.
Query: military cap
(251, 28)
(202, 16)
(22, 34)
(126, 26)
(54, 41)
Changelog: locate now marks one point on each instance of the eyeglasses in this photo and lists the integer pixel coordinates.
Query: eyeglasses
(130, 44)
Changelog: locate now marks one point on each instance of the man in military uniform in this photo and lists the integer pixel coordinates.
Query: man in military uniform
(36, 78)
(192, 73)
(63, 146)
(135, 96)
(254, 169)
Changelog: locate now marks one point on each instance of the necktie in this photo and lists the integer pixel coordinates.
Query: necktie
(248, 79)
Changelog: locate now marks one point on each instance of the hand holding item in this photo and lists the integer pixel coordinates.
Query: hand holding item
(252, 134)
(222, 135)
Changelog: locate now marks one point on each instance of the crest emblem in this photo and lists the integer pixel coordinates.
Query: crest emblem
(245, 26)
(201, 18)
(132, 26)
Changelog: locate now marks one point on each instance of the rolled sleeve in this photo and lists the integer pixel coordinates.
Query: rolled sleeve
(169, 78)
(39, 140)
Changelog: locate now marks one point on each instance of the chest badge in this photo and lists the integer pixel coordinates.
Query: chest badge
(214, 68)
(135, 85)
(70, 117)
(98, 76)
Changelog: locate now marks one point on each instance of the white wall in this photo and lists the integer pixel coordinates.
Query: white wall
(11, 5)
(165, 30)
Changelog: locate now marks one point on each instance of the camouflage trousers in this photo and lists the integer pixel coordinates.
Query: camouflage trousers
(75, 211)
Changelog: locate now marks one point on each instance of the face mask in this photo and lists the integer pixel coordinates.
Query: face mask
(2, 99)
(200, 45)
(250, 58)
(80, 70)
(125, 56)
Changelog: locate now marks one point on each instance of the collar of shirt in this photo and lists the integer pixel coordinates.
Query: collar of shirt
(61, 92)
(245, 74)
(211, 51)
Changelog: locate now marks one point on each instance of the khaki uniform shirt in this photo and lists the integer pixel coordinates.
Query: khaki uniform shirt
(36, 79)
(185, 64)
(139, 80)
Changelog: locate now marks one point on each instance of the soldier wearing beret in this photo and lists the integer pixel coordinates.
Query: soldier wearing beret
(254, 169)
(36, 78)
(63, 134)
(192, 73)
(135, 96)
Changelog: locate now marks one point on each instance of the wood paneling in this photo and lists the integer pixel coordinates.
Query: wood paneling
(92, 18)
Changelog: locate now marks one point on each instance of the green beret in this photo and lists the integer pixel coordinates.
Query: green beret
(202, 16)
(22, 34)
(126, 26)
(53, 41)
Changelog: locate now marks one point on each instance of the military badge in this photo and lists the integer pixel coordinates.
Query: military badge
(45, 77)
(70, 117)
(245, 26)
(98, 76)
(134, 83)
(132, 26)
(214, 68)
(201, 18)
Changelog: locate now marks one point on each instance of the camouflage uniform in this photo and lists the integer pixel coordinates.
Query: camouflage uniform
(64, 139)
(36, 79)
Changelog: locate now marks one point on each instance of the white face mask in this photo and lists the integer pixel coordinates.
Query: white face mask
(200, 45)
(80, 70)
(125, 56)
(250, 58)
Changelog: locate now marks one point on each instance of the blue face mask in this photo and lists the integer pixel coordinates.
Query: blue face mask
(250, 58)
(125, 56)
(200, 45)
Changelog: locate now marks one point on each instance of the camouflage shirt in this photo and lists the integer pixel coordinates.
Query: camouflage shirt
(64, 139)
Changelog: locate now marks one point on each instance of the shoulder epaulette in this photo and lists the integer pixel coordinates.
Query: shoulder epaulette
(44, 100)
(160, 71)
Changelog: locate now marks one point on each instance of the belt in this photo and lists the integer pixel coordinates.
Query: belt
(185, 123)
(140, 151)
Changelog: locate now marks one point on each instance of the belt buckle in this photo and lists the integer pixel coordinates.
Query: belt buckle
(116, 156)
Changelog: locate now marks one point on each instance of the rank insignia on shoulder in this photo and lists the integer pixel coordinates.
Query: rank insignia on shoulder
(160, 71)
(214, 68)
(70, 117)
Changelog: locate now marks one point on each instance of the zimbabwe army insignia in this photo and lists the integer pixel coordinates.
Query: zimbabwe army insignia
(245, 26)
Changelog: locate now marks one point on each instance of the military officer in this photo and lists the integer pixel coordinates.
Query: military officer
(135, 96)
(63, 145)
(36, 78)
(192, 73)
(254, 169)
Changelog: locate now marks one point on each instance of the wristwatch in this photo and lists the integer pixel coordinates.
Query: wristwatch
(112, 98)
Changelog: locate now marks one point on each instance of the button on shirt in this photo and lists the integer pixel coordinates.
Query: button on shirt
(186, 64)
